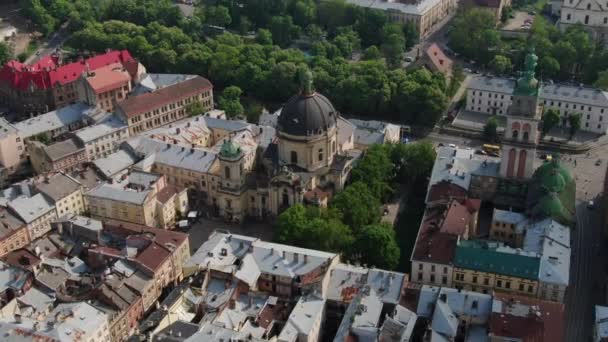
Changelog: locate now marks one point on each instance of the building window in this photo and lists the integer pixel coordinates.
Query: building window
(486, 281)
(521, 287)
(227, 172)
(420, 267)
(588, 7)
(587, 17)
(294, 157)
(320, 154)
(445, 270)
(508, 284)
(419, 276)
(444, 280)
(432, 278)
(499, 283)
(530, 288)
(475, 279)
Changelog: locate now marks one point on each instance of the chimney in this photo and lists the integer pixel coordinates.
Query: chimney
(283, 252)
(177, 130)
(443, 297)
(17, 318)
(305, 258)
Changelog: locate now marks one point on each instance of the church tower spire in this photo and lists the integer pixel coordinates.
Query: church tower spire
(523, 118)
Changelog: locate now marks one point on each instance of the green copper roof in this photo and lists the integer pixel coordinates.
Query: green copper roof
(230, 149)
(527, 84)
(549, 205)
(485, 257)
(552, 169)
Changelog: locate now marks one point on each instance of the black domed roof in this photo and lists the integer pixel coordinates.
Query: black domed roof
(307, 114)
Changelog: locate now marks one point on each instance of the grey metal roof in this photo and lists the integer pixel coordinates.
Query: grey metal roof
(508, 216)
(387, 284)
(152, 82)
(11, 277)
(142, 178)
(569, 93)
(87, 222)
(52, 120)
(226, 125)
(361, 317)
(107, 126)
(6, 128)
(414, 8)
(288, 261)
(345, 281)
(212, 333)
(63, 149)
(305, 115)
(117, 192)
(58, 186)
(199, 160)
(457, 165)
(552, 241)
(444, 321)
(492, 84)
(114, 163)
(31, 208)
(220, 251)
(301, 321)
(601, 321)
(40, 301)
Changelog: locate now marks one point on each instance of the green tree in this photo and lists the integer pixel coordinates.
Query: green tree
(413, 162)
(283, 30)
(410, 33)
(315, 33)
(218, 15)
(550, 120)
(474, 35)
(548, 67)
(371, 53)
(5, 54)
(376, 246)
(376, 171)
(230, 101)
(194, 108)
(601, 82)
(574, 120)
(358, 205)
(490, 129)
(393, 45)
(253, 111)
(312, 227)
(304, 12)
(500, 64)
(264, 37)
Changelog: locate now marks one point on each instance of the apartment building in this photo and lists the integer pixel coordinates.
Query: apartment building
(593, 16)
(105, 86)
(493, 95)
(139, 197)
(36, 211)
(12, 148)
(169, 104)
(50, 84)
(13, 232)
(426, 15)
(102, 139)
(67, 155)
(65, 192)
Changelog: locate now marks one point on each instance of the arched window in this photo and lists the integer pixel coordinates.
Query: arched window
(511, 163)
(526, 136)
(588, 6)
(320, 154)
(515, 134)
(294, 157)
(285, 198)
(227, 172)
(333, 146)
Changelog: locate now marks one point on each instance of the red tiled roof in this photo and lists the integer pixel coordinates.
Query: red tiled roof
(544, 323)
(444, 190)
(433, 245)
(459, 216)
(441, 62)
(149, 101)
(21, 258)
(167, 193)
(108, 77)
(161, 236)
(47, 72)
(153, 256)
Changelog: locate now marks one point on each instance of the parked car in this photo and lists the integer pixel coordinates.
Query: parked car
(452, 145)
(598, 162)
(590, 205)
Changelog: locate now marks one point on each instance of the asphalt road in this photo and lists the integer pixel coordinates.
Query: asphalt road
(56, 40)
(588, 249)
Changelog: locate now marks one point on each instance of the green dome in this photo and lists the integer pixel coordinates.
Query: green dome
(549, 205)
(554, 182)
(552, 169)
(230, 149)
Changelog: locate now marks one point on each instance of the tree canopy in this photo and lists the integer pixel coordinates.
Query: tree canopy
(550, 120)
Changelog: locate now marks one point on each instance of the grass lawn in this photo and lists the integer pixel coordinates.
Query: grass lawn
(407, 225)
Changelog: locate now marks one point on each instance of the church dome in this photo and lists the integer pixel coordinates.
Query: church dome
(230, 149)
(307, 114)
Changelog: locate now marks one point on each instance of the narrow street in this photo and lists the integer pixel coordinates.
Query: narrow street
(588, 249)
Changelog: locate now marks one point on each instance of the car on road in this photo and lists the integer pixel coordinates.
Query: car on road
(452, 145)
(598, 162)
(590, 205)
(481, 152)
(546, 157)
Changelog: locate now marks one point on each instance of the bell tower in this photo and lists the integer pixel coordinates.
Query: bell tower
(523, 118)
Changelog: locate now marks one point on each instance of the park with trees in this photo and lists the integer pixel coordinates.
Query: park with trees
(352, 224)
(563, 56)
(258, 52)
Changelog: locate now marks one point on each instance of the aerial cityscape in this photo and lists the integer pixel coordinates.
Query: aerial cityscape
(303, 170)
